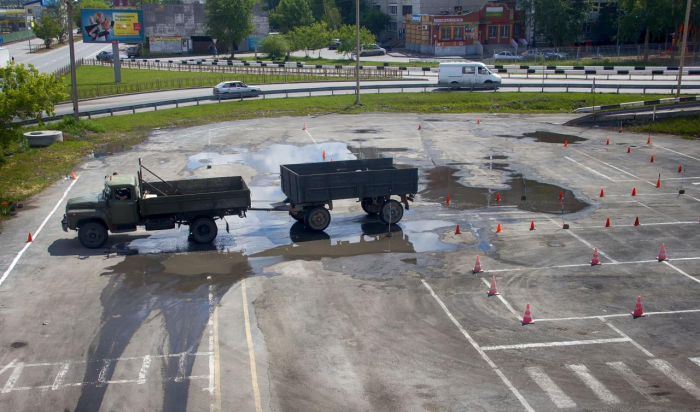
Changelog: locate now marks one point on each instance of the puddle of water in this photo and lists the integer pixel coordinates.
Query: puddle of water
(497, 166)
(496, 157)
(543, 136)
(365, 131)
(540, 197)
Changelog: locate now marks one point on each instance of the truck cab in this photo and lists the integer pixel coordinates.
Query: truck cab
(115, 209)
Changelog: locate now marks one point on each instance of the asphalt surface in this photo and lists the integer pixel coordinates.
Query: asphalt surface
(272, 318)
(50, 61)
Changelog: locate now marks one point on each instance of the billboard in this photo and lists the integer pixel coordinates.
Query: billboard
(494, 11)
(107, 25)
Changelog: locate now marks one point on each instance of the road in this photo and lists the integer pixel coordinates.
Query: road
(273, 318)
(49, 61)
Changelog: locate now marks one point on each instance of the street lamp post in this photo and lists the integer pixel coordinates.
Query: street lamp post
(74, 85)
(684, 44)
(357, 51)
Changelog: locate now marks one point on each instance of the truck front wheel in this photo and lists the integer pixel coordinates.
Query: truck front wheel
(317, 218)
(391, 212)
(92, 235)
(203, 230)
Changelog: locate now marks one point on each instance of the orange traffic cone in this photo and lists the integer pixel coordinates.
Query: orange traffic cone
(457, 231)
(636, 221)
(561, 194)
(662, 253)
(498, 197)
(566, 143)
(638, 311)
(607, 223)
(477, 265)
(73, 176)
(498, 228)
(680, 168)
(629, 149)
(419, 127)
(324, 154)
(527, 319)
(649, 139)
(607, 142)
(447, 199)
(658, 183)
(595, 261)
(602, 193)
(478, 121)
(532, 225)
(331, 159)
(652, 159)
(29, 237)
(492, 290)
(634, 191)
(304, 128)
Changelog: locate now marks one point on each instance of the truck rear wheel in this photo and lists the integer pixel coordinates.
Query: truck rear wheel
(454, 86)
(317, 218)
(92, 235)
(203, 230)
(370, 207)
(391, 212)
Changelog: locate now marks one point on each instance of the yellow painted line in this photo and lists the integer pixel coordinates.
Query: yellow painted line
(251, 352)
(217, 369)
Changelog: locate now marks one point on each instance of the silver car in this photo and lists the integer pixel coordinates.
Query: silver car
(236, 88)
(372, 50)
(506, 55)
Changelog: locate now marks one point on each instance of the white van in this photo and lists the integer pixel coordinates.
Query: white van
(456, 75)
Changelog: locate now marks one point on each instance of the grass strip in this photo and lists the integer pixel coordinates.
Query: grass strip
(687, 127)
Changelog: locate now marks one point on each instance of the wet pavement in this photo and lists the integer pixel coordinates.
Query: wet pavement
(366, 316)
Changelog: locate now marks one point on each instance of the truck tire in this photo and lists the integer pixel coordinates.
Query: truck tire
(203, 230)
(317, 218)
(299, 217)
(391, 212)
(454, 86)
(370, 207)
(92, 235)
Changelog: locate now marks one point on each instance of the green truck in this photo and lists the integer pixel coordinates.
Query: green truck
(127, 202)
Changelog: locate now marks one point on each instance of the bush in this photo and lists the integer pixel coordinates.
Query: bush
(275, 46)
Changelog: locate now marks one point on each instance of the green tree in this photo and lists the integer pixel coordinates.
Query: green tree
(26, 94)
(309, 38)
(59, 10)
(47, 29)
(230, 21)
(346, 34)
(290, 14)
(274, 45)
(87, 4)
(331, 14)
(375, 20)
(559, 21)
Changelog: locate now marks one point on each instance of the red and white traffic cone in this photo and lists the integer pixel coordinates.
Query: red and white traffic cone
(492, 289)
(527, 319)
(595, 261)
(477, 265)
(662, 253)
(638, 311)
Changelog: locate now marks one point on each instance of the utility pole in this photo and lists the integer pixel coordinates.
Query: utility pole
(684, 45)
(357, 51)
(74, 84)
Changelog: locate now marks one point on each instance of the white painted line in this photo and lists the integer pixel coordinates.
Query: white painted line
(583, 265)
(696, 183)
(502, 299)
(639, 384)
(554, 344)
(680, 271)
(102, 377)
(554, 392)
(589, 169)
(60, 376)
(605, 396)
(484, 356)
(677, 377)
(251, 350)
(181, 365)
(580, 239)
(614, 167)
(682, 154)
(144, 369)
(655, 211)
(695, 361)
(624, 335)
(312, 138)
(35, 234)
(8, 366)
(602, 227)
(13, 378)
(619, 315)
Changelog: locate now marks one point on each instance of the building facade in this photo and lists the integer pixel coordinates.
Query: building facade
(399, 9)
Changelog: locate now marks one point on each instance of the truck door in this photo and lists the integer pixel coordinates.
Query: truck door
(123, 208)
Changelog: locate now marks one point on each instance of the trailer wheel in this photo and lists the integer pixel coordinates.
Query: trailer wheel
(92, 235)
(203, 230)
(370, 207)
(317, 218)
(299, 217)
(391, 212)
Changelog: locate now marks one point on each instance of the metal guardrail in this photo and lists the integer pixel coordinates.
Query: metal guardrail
(637, 104)
(378, 87)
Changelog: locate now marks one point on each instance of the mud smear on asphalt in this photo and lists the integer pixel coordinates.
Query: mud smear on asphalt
(548, 137)
(110, 149)
(540, 197)
(175, 286)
